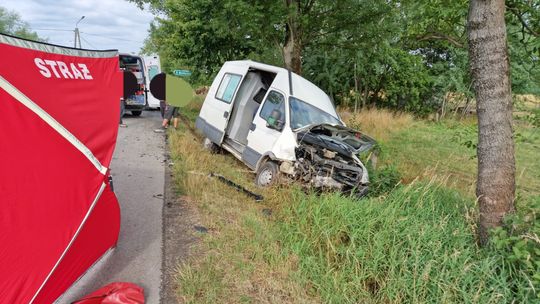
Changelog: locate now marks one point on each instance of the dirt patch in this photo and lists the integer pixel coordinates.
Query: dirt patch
(179, 219)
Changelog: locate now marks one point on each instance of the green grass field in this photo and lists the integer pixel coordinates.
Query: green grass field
(428, 148)
(415, 244)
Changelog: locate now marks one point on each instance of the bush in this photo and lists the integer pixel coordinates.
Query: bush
(518, 241)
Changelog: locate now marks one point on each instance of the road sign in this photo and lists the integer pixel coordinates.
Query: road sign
(182, 73)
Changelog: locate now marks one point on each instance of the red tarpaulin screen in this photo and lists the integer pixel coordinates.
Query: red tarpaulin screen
(59, 113)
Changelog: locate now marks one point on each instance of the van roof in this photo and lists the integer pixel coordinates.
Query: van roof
(302, 88)
(127, 54)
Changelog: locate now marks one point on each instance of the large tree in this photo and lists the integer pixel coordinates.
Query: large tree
(490, 69)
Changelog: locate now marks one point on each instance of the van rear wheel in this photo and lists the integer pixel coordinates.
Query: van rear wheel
(267, 174)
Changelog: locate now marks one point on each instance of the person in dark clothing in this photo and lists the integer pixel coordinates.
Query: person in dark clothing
(162, 107)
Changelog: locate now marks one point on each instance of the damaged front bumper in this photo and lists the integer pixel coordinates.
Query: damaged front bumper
(327, 158)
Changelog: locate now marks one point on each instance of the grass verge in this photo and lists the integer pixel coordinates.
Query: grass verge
(414, 245)
(243, 261)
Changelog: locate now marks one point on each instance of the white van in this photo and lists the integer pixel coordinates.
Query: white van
(277, 122)
(152, 67)
(135, 64)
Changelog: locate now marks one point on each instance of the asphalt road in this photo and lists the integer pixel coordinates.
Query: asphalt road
(138, 174)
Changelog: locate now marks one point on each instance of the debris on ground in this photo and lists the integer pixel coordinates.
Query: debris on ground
(115, 293)
(267, 212)
(201, 229)
(239, 188)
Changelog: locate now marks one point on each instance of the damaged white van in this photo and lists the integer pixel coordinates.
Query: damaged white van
(278, 123)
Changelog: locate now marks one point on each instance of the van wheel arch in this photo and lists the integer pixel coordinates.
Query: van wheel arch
(266, 157)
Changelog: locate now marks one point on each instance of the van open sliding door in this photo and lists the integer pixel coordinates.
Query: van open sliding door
(217, 108)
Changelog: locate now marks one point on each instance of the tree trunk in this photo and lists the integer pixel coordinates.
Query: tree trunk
(489, 64)
(292, 49)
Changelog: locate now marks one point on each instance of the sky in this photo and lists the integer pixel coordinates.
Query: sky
(108, 24)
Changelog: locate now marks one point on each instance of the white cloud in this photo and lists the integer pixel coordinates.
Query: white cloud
(108, 24)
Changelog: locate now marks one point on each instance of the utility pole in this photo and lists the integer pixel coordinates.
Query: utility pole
(77, 34)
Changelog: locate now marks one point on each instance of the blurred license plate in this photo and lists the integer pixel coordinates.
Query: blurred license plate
(136, 100)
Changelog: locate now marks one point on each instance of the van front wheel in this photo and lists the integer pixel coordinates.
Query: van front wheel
(267, 174)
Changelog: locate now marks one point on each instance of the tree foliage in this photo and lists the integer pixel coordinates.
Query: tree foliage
(400, 54)
(12, 24)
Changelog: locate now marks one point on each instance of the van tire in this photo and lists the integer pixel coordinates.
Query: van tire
(136, 113)
(267, 174)
(210, 146)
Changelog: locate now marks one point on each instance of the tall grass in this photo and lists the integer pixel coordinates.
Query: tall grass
(241, 259)
(378, 123)
(415, 246)
(425, 149)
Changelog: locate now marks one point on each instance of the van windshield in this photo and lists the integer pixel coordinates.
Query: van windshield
(304, 114)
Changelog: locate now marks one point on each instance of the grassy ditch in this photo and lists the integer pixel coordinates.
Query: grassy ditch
(414, 244)
(243, 261)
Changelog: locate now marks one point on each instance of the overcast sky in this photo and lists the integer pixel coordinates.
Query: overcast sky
(108, 24)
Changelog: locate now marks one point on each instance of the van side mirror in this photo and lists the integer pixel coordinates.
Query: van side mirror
(274, 121)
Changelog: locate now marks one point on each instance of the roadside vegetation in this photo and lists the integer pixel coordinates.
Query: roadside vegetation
(423, 148)
(411, 241)
(414, 238)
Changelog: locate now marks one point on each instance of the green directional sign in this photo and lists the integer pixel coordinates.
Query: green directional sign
(182, 73)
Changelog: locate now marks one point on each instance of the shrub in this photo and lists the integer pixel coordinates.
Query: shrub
(518, 241)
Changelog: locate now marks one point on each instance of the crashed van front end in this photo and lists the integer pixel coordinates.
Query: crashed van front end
(327, 157)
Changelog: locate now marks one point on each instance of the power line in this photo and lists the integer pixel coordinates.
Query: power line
(88, 42)
(112, 38)
(101, 36)
(57, 30)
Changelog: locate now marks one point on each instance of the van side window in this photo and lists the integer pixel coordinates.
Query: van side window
(228, 86)
(274, 101)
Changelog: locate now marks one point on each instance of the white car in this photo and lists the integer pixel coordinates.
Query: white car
(277, 122)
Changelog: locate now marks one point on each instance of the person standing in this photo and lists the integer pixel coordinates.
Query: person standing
(162, 107)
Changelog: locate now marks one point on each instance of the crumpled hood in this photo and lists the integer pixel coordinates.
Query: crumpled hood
(341, 139)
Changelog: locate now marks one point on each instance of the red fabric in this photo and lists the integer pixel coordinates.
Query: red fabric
(104, 219)
(90, 109)
(47, 186)
(115, 293)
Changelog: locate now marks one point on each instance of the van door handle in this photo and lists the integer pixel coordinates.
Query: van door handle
(252, 127)
(226, 114)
